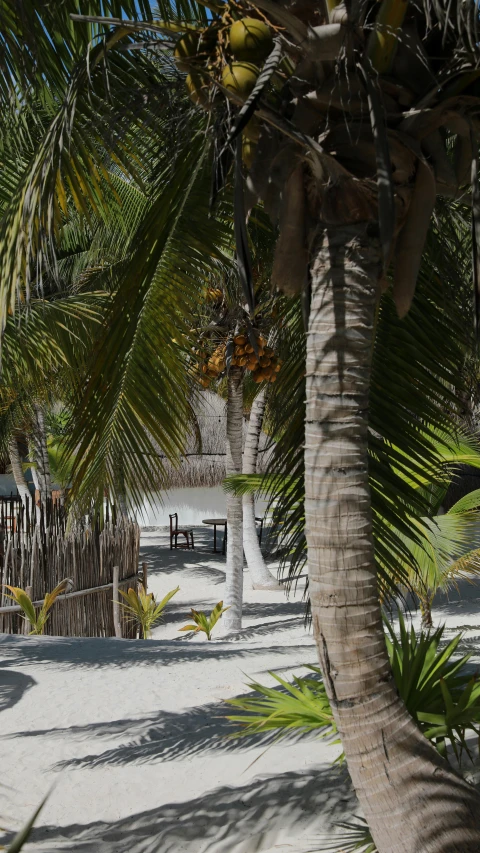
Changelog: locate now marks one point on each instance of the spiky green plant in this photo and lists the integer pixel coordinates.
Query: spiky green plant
(205, 623)
(302, 706)
(143, 608)
(37, 621)
(440, 695)
(442, 698)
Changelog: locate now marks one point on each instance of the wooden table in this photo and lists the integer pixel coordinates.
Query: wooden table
(217, 522)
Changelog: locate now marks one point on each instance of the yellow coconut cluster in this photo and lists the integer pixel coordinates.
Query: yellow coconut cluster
(214, 296)
(210, 366)
(232, 55)
(264, 366)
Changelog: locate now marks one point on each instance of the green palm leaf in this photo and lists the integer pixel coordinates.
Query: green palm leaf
(137, 397)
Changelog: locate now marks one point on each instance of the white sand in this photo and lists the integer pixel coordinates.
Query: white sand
(133, 734)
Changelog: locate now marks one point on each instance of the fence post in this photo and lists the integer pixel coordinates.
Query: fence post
(116, 606)
(27, 624)
(145, 575)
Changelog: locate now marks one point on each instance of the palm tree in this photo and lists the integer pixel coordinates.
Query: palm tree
(259, 573)
(362, 209)
(17, 470)
(39, 436)
(233, 595)
(223, 331)
(418, 380)
(347, 204)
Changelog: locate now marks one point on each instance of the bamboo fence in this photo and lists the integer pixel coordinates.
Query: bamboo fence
(38, 550)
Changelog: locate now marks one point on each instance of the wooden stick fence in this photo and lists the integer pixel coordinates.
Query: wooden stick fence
(38, 549)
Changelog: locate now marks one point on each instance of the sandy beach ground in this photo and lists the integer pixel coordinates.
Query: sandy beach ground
(133, 735)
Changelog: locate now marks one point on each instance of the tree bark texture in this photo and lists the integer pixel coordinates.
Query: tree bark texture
(120, 494)
(233, 596)
(412, 799)
(17, 471)
(259, 573)
(41, 454)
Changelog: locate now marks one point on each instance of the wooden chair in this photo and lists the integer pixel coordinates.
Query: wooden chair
(260, 532)
(175, 532)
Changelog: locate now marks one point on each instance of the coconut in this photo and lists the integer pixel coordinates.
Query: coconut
(250, 40)
(241, 340)
(186, 49)
(240, 77)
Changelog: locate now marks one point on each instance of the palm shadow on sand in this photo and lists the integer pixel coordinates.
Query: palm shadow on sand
(13, 685)
(241, 819)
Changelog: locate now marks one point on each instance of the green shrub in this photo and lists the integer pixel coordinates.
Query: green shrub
(442, 698)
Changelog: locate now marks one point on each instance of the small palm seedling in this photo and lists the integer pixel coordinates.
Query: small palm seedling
(23, 599)
(203, 622)
(144, 609)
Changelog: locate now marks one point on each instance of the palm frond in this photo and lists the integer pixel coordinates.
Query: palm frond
(98, 120)
(39, 41)
(136, 405)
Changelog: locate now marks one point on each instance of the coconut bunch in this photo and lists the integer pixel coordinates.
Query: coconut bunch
(209, 365)
(231, 53)
(263, 364)
(214, 296)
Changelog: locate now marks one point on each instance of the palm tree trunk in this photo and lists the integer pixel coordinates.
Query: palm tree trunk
(120, 495)
(17, 471)
(233, 596)
(412, 799)
(259, 573)
(41, 454)
(426, 611)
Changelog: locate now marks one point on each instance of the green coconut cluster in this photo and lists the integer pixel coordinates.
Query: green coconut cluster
(232, 56)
